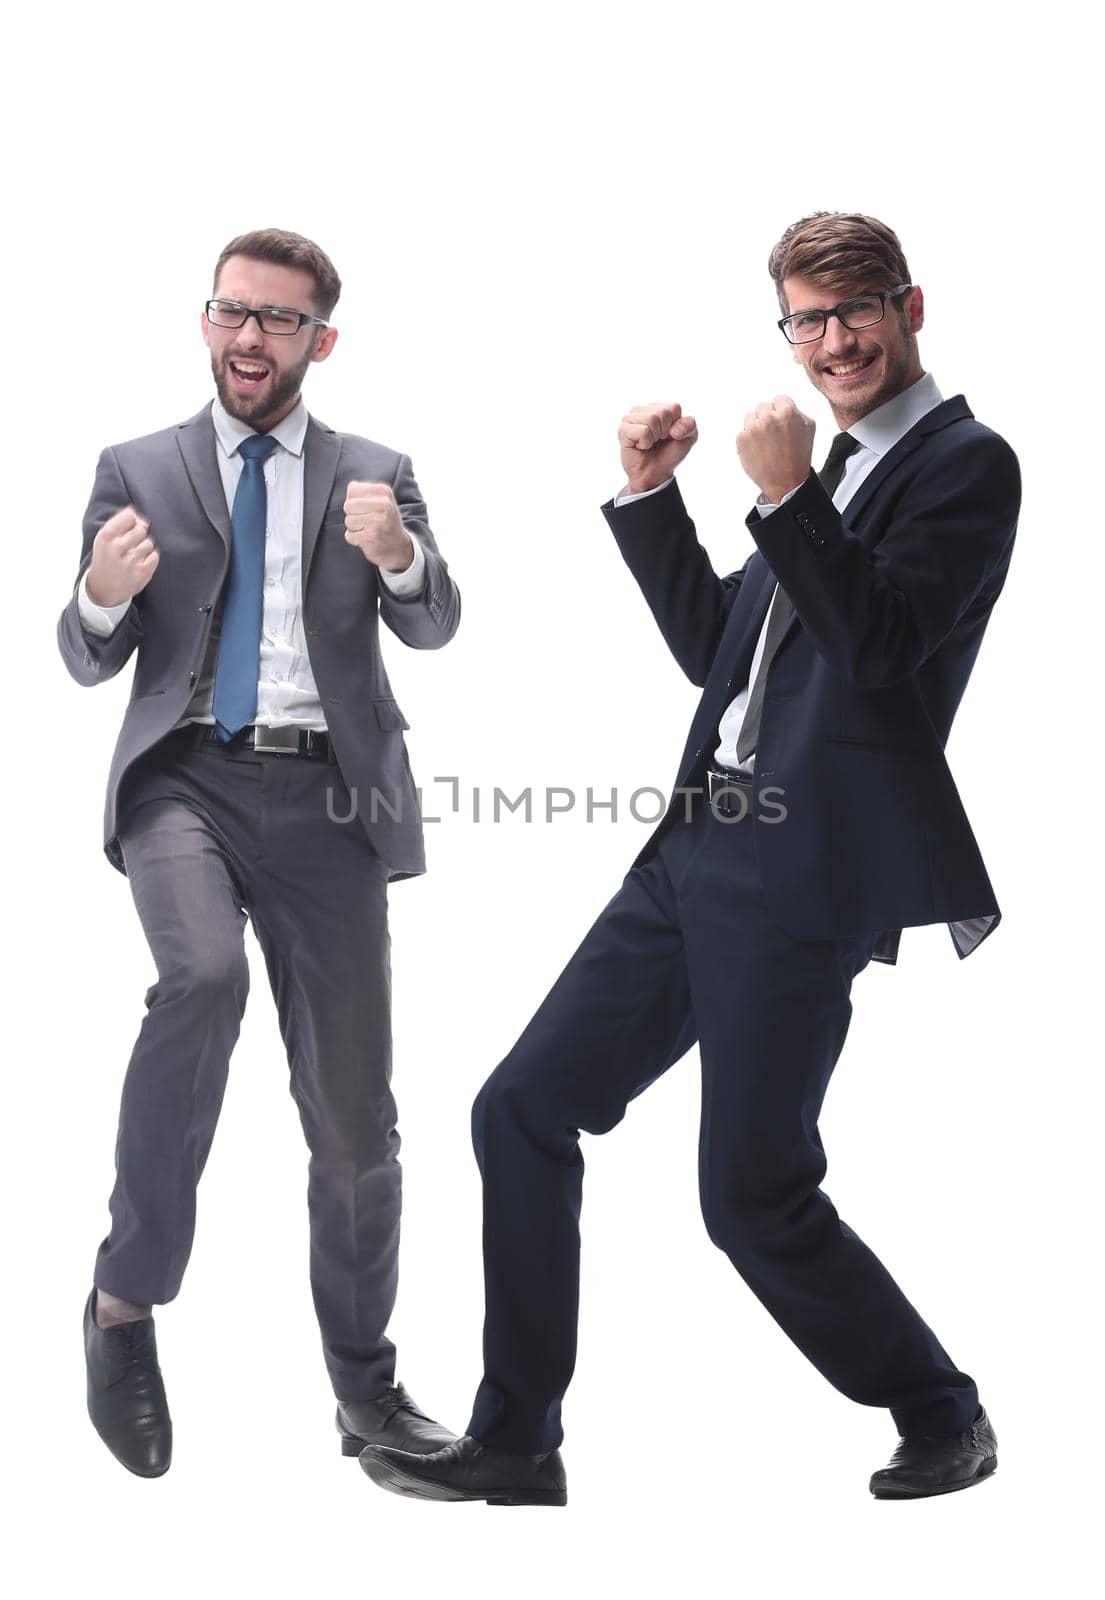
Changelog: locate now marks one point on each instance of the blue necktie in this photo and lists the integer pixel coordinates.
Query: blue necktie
(235, 698)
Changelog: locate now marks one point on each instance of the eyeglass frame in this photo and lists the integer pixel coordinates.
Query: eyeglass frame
(882, 295)
(256, 311)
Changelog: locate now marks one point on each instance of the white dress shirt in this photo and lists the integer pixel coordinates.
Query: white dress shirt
(286, 691)
(877, 433)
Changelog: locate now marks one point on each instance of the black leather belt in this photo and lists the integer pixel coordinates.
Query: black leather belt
(729, 793)
(284, 741)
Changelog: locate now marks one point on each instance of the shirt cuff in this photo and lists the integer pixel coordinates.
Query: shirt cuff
(410, 581)
(626, 499)
(98, 619)
(765, 506)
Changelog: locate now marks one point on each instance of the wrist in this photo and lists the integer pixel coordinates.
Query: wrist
(98, 598)
(644, 484)
(776, 492)
(407, 558)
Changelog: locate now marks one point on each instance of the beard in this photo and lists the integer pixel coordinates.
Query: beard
(275, 397)
(868, 397)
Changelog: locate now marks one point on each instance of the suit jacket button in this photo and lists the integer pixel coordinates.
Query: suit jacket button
(191, 679)
(203, 608)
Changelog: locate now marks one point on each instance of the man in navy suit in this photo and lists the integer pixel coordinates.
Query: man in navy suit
(814, 817)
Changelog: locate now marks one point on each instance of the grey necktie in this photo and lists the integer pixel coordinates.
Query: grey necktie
(781, 608)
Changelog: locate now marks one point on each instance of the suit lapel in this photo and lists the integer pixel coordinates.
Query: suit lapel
(321, 446)
(737, 646)
(321, 449)
(760, 596)
(196, 441)
(932, 422)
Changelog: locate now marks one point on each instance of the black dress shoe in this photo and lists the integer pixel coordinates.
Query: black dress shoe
(469, 1470)
(126, 1397)
(391, 1419)
(930, 1464)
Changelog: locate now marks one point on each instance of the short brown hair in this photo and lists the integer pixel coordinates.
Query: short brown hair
(288, 250)
(839, 249)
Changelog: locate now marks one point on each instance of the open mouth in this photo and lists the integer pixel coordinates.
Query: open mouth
(848, 371)
(247, 374)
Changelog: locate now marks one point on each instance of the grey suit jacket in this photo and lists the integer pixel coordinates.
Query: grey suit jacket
(172, 477)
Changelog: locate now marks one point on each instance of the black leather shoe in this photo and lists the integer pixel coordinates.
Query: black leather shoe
(126, 1397)
(391, 1419)
(469, 1470)
(930, 1464)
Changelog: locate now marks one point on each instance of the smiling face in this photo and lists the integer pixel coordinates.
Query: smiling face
(258, 376)
(858, 371)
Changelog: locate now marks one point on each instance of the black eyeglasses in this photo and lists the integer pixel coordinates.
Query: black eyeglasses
(270, 319)
(861, 311)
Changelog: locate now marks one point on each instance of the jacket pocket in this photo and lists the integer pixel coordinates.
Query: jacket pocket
(388, 714)
(901, 757)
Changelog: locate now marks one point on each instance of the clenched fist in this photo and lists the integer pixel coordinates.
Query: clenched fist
(776, 446)
(654, 439)
(124, 559)
(373, 523)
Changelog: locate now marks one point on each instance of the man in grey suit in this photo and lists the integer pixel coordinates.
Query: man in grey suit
(245, 557)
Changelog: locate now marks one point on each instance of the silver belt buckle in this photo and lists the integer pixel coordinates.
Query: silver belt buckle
(273, 749)
(729, 783)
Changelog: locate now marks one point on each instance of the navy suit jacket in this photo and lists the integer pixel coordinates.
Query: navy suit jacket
(891, 600)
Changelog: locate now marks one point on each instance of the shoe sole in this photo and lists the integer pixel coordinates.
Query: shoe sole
(391, 1477)
(142, 1472)
(352, 1445)
(887, 1491)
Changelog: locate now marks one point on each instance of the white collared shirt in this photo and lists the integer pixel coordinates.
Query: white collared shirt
(877, 433)
(286, 690)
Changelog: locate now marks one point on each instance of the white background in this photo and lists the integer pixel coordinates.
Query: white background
(542, 218)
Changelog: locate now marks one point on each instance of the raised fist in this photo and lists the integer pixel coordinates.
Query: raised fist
(776, 446)
(124, 559)
(654, 439)
(373, 524)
